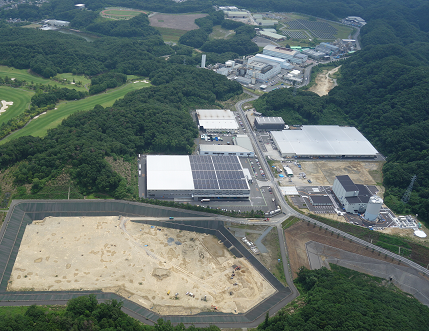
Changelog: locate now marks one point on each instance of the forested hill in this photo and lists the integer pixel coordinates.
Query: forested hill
(151, 120)
(347, 300)
(383, 90)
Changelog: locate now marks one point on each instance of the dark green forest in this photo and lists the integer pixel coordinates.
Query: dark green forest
(343, 299)
(84, 313)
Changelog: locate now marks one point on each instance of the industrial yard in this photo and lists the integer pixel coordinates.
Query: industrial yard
(166, 270)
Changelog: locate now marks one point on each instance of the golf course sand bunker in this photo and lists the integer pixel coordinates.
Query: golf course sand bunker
(143, 263)
(5, 105)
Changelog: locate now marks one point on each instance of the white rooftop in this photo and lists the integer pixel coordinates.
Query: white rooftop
(223, 148)
(281, 50)
(219, 124)
(169, 172)
(215, 114)
(329, 140)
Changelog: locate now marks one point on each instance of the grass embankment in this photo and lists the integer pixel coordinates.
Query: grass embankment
(22, 74)
(21, 100)
(273, 259)
(53, 118)
(172, 35)
(398, 245)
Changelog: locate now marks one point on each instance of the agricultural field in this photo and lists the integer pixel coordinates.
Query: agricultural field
(21, 100)
(117, 13)
(23, 74)
(171, 272)
(171, 35)
(184, 22)
(38, 127)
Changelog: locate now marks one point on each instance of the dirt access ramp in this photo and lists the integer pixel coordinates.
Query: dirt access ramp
(184, 22)
(324, 83)
(299, 234)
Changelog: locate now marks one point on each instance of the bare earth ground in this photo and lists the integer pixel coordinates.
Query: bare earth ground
(301, 233)
(139, 262)
(179, 22)
(324, 172)
(324, 83)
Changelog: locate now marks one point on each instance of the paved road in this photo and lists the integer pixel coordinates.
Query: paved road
(289, 211)
(276, 191)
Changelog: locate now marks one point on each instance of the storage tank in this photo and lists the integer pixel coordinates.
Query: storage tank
(373, 208)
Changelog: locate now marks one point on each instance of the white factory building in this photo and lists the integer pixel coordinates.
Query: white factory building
(262, 58)
(262, 70)
(284, 53)
(263, 22)
(271, 35)
(236, 14)
(195, 177)
(323, 141)
(216, 120)
(235, 150)
(356, 198)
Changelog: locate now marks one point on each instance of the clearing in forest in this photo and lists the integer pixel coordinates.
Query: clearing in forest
(184, 22)
(324, 82)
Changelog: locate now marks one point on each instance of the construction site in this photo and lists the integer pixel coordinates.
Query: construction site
(166, 270)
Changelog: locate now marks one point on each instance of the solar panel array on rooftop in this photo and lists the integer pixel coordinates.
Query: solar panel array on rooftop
(217, 172)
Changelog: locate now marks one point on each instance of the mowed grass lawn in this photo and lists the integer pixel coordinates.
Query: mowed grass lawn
(171, 34)
(23, 74)
(21, 100)
(54, 117)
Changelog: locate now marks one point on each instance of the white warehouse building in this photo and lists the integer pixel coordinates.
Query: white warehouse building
(195, 177)
(234, 150)
(323, 141)
(216, 120)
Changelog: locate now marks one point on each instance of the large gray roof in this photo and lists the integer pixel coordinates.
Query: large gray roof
(321, 140)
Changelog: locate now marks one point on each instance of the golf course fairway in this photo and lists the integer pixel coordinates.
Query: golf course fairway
(39, 127)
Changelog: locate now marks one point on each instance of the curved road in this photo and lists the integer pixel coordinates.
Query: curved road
(289, 211)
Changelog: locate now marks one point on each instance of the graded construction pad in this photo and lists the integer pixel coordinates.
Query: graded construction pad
(131, 218)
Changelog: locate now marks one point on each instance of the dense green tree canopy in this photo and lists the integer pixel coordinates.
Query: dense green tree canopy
(347, 300)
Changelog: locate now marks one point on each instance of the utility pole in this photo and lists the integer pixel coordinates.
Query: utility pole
(407, 194)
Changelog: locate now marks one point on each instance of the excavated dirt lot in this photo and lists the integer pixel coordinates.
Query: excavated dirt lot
(301, 233)
(324, 172)
(324, 82)
(140, 262)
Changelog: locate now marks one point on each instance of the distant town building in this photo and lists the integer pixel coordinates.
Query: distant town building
(282, 52)
(271, 35)
(57, 23)
(262, 22)
(313, 54)
(327, 48)
(354, 21)
(236, 14)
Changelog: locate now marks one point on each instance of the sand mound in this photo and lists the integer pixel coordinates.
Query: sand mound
(5, 105)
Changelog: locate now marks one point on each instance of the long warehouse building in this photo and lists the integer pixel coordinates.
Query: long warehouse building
(195, 177)
(323, 141)
(216, 120)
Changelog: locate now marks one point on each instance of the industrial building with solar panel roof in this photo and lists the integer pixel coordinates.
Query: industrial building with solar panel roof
(196, 177)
